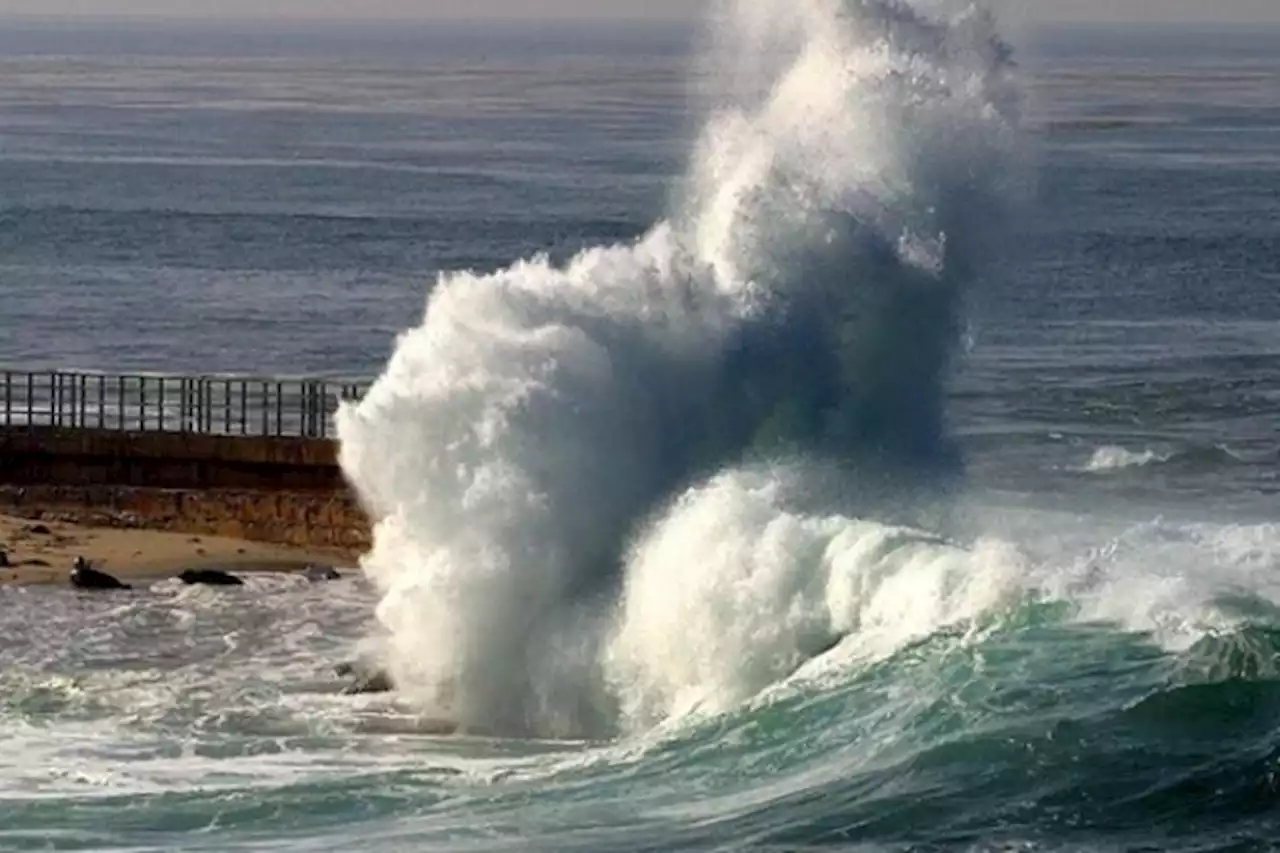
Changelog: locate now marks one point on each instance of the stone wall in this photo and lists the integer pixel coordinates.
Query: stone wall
(171, 460)
(287, 491)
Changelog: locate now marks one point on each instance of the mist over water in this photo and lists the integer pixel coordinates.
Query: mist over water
(526, 449)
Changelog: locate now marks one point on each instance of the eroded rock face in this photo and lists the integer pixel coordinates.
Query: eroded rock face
(310, 519)
(209, 577)
(83, 576)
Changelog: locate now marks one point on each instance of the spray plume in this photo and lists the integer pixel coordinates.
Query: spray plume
(554, 448)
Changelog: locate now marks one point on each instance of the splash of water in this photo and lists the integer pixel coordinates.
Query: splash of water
(802, 299)
(775, 586)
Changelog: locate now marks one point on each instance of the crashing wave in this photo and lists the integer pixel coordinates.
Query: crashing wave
(802, 300)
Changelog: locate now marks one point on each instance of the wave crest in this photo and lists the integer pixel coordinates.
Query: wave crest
(736, 588)
(1112, 458)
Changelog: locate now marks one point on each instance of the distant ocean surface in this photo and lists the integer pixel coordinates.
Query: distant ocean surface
(1073, 643)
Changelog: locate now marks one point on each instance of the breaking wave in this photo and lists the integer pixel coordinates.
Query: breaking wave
(573, 468)
(1112, 458)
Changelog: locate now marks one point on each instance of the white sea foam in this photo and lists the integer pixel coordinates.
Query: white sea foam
(734, 590)
(803, 296)
(1111, 458)
(571, 529)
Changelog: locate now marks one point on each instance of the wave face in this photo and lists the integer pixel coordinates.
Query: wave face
(575, 530)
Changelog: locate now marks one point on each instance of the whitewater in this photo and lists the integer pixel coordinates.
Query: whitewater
(557, 458)
(801, 520)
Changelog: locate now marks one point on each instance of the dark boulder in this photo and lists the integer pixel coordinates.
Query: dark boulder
(317, 574)
(83, 576)
(209, 577)
(365, 679)
(377, 681)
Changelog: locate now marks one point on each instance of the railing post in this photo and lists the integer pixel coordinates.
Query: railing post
(316, 410)
(279, 407)
(207, 398)
(266, 407)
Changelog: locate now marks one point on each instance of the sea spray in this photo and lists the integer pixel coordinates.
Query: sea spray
(802, 299)
(735, 589)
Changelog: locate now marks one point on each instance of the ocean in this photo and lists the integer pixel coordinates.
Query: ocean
(843, 431)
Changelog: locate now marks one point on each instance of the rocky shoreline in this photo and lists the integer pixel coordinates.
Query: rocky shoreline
(41, 549)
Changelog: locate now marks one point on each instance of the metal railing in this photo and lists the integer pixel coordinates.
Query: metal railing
(216, 405)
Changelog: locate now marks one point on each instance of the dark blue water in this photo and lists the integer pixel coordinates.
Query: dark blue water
(251, 189)
(275, 201)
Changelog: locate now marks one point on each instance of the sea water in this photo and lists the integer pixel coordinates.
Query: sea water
(845, 426)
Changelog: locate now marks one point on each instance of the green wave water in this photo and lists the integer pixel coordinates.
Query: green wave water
(1032, 727)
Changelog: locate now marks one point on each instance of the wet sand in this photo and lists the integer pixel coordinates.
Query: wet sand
(42, 552)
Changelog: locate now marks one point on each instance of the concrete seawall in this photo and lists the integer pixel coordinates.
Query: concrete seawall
(168, 460)
(277, 489)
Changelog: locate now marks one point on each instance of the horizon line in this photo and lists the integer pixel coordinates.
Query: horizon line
(150, 18)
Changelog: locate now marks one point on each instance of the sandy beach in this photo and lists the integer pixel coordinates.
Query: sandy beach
(42, 552)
